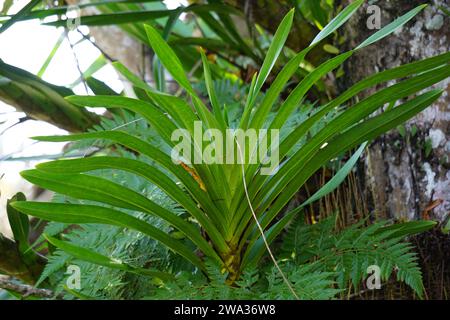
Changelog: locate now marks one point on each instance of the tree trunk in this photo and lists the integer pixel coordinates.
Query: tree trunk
(406, 170)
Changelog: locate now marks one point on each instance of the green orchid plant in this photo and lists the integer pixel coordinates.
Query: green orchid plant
(229, 204)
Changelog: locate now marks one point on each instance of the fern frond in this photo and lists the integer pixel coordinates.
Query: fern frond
(350, 252)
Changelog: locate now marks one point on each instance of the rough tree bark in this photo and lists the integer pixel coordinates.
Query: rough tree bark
(406, 173)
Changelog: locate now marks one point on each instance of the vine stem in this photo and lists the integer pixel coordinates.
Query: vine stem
(285, 279)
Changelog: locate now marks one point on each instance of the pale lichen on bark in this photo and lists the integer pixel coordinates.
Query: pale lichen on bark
(402, 178)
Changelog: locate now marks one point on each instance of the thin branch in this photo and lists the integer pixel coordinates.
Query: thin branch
(25, 290)
(20, 120)
(88, 38)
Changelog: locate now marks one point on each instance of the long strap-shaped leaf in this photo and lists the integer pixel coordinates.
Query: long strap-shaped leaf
(60, 10)
(20, 227)
(391, 27)
(19, 15)
(349, 117)
(173, 65)
(155, 154)
(171, 62)
(291, 183)
(76, 213)
(151, 113)
(411, 86)
(365, 108)
(285, 110)
(365, 131)
(338, 177)
(168, 58)
(303, 87)
(101, 260)
(217, 27)
(177, 108)
(144, 170)
(301, 130)
(276, 88)
(257, 247)
(212, 93)
(230, 26)
(139, 16)
(388, 75)
(338, 21)
(271, 57)
(289, 106)
(130, 76)
(212, 175)
(385, 31)
(182, 114)
(98, 189)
